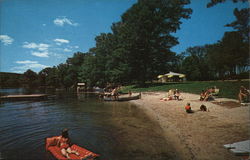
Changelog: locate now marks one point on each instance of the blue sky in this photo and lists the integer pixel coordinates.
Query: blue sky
(36, 34)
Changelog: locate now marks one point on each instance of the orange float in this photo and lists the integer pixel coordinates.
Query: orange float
(84, 154)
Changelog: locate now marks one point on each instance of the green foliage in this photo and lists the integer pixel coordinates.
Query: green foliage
(146, 31)
(229, 55)
(49, 77)
(241, 24)
(139, 49)
(195, 65)
(10, 80)
(31, 79)
(215, 2)
(89, 72)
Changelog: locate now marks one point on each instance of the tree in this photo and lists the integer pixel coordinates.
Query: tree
(230, 55)
(234, 51)
(195, 64)
(62, 74)
(241, 23)
(31, 78)
(234, 45)
(215, 2)
(88, 72)
(49, 77)
(73, 68)
(144, 35)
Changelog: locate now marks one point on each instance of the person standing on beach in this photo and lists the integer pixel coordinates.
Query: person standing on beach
(188, 108)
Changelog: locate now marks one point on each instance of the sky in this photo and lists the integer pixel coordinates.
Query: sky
(36, 34)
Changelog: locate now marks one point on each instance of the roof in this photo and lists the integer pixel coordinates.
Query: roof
(81, 84)
(174, 74)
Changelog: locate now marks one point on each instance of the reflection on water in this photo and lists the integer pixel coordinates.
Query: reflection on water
(117, 131)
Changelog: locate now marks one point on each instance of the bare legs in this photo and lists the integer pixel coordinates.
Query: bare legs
(241, 96)
(66, 152)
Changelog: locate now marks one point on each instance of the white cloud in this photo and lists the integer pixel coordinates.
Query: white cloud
(67, 50)
(73, 47)
(40, 54)
(27, 64)
(60, 41)
(6, 40)
(59, 56)
(40, 46)
(44, 24)
(63, 20)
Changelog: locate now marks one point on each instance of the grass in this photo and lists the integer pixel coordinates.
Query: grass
(228, 89)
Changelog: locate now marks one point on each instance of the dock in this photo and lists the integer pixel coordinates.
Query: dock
(24, 97)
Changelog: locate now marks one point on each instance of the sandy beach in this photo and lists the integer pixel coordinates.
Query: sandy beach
(200, 135)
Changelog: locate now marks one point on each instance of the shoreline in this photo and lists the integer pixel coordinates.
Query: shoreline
(200, 135)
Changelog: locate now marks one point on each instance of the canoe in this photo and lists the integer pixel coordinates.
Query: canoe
(124, 97)
(84, 154)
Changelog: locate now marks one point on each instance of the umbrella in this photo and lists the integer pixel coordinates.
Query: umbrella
(160, 76)
(170, 76)
(181, 76)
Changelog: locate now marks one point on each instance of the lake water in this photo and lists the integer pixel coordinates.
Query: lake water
(115, 130)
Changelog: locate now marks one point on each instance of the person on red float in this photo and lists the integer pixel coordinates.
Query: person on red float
(64, 144)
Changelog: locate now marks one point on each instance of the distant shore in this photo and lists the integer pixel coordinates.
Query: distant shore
(200, 135)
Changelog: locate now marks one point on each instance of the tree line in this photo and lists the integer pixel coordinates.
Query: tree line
(138, 49)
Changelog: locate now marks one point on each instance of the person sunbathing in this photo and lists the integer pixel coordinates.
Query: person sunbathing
(177, 94)
(64, 144)
(202, 95)
(206, 95)
(243, 94)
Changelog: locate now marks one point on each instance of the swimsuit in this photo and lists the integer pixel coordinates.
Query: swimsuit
(64, 143)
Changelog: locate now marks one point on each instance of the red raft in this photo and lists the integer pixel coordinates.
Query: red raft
(56, 152)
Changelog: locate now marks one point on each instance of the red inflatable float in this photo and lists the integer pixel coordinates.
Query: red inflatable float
(84, 154)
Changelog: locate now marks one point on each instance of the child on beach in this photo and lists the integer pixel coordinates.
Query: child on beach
(203, 107)
(188, 108)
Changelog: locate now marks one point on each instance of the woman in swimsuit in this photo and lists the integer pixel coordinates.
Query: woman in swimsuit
(64, 144)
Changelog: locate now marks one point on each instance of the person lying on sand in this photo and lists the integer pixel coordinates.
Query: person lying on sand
(173, 94)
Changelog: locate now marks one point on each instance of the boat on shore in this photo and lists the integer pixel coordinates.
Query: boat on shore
(123, 97)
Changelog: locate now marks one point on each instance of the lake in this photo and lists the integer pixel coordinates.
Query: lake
(115, 130)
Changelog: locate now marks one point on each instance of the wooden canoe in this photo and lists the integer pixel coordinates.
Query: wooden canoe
(124, 97)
